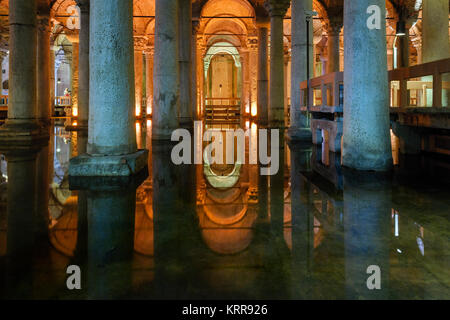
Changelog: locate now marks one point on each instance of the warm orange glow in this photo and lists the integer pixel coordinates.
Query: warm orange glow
(74, 123)
(247, 109)
(75, 111)
(247, 124)
(149, 110)
(254, 109)
(149, 123)
(138, 111)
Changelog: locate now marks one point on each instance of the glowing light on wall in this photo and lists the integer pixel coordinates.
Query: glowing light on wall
(75, 111)
(247, 124)
(149, 123)
(138, 111)
(150, 107)
(247, 109)
(74, 123)
(254, 109)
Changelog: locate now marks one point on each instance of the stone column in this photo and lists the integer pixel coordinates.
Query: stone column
(74, 74)
(139, 44)
(333, 30)
(277, 10)
(252, 61)
(166, 89)
(3, 54)
(184, 60)
(43, 69)
(299, 129)
(112, 149)
(367, 144)
(83, 68)
(263, 77)
(21, 123)
(435, 30)
(194, 97)
(149, 80)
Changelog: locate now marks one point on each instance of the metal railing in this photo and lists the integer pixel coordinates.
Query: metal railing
(421, 86)
(223, 110)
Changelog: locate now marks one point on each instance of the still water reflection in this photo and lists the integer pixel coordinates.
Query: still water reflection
(308, 232)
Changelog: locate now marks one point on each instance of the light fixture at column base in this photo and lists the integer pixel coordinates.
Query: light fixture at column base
(108, 166)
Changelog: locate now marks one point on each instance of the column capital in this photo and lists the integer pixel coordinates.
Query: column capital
(277, 8)
(43, 23)
(84, 5)
(195, 26)
(149, 52)
(252, 43)
(139, 43)
(334, 26)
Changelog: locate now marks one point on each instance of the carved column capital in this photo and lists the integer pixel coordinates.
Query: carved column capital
(252, 43)
(140, 43)
(277, 8)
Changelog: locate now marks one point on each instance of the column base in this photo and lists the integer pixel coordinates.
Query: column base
(366, 162)
(108, 166)
(22, 133)
(299, 134)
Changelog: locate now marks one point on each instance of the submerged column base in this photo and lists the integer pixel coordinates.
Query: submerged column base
(299, 134)
(108, 166)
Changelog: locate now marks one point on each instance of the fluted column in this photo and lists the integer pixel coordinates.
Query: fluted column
(139, 44)
(263, 77)
(111, 149)
(277, 9)
(184, 60)
(166, 76)
(149, 53)
(43, 69)
(22, 111)
(299, 129)
(367, 144)
(435, 37)
(333, 30)
(83, 68)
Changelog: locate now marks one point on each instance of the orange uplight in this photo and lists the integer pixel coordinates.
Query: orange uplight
(149, 110)
(247, 109)
(138, 111)
(254, 110)
(247, 124)
(75, 111)
(74, 123)
(149, 123)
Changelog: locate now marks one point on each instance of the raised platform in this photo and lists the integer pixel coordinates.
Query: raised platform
(108, 166)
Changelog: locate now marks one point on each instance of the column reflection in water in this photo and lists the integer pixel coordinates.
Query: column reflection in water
(173, 216)
(21, 223)
(302, 220)
(367, 209)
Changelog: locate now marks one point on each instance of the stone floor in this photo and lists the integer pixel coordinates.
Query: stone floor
(308, 232)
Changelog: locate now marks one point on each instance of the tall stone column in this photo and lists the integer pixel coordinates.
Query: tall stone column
(22, 111)
(299, 129)
(184, 60)
(263, 77)
(43, 69)
(253, 72)
(435, 30)
(83, 67)
(277, 9)
(166, 89)
(333, 30)
(74, 73)
(139, 44)
(367, 144)
(194, 97)
(403, 51)
(112, 149)
(201, 51)
(149, 80)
